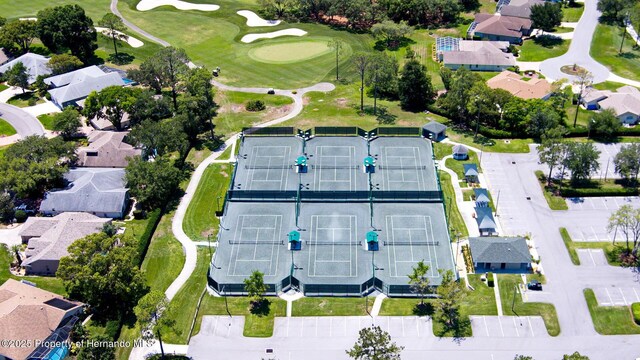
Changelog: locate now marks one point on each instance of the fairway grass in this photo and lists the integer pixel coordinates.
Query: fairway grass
(290, 52)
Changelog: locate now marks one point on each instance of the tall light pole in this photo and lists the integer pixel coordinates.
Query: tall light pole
(475, 136)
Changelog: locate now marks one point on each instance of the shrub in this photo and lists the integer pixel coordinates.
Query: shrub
(490, 280)
(21, 216)
(139, 214)
(255, 105)
(635, 308)
(145, 239)
(595, 192)
(32, 101)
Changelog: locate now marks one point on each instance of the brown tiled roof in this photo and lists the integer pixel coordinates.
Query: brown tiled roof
(511, 82)
(26, 315)
(110, 148)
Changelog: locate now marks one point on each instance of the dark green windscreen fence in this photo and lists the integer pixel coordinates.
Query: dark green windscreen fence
(336, 131)
(269, 131)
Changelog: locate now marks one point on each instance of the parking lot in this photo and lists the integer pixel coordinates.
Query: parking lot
(592, 257)
(348, 326)
(508, 326)
(617, 296)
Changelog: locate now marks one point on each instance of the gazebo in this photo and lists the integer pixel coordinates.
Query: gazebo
(460, 152)
(434, 131)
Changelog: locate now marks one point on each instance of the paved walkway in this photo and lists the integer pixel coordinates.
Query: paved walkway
(496, 291)
(9, 236)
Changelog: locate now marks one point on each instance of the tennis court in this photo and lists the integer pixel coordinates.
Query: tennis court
(332, 246)
(403, 164)
(267, 164)
(335, 164)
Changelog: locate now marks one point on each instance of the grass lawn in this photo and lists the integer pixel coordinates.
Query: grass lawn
(555, 202)
(22, 100)
(534, 50)
(573, 13)
(490, 145)
(604, 49)
(456, 223)
(232, 115)
(608, 85)
(133, 56)
(6, 129)
(457, 165)
(94, 8)
(441, 150)
(507, 283)
(52, 284)
(610, 320)
(200, 220)
(3, 87)
(566, 239)
(46, 120)
(331, 306)
(480, 301)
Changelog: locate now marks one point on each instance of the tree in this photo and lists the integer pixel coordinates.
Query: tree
(458, 96)
(149, 317)
(198, 102)
(255, 287)
(21, 32)
(582, 161)
(67, 122)
(17, 76)
(274, 8)
(576, 355)
(447, 77)
(361, 61)
(337, 45)
(374, 344)
(111, 103)
(582, 80)
(627, 162)
(391, 32)
(35, 164)
(114, 29)
(99, 350)
(63, 63)
(6, 207)
(164, 69)
(605, 124)
(67, 27)
(546, 16)
(414, 87)
(16, 251)
(149, 107)
(613, 10)
(419, 280)
(382, 79)
(152, 183)
(541, 120)
(159, 138)
(3, 21)
(626, 220)
(450, 294)
(522, 357)
(102, 271)
(552, 150)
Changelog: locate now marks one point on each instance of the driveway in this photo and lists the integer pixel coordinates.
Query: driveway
(579, 49)
(24, 123)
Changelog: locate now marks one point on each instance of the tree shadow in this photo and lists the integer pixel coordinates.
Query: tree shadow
(381, 113)
(382, 45)
(425, 309)
(547, 41)
(260, 307)
(628, 55)
(458, 330)
(121, 58)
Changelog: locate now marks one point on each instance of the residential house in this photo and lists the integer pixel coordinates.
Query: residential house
(106, 149)
(625, 102)
(48, 238)
(101, 123)
(519, 8)
(70, 88)
(460, 152)
(533, 88)
(36, 65)
(98, 191)
(481, 197)
(470, 172)
(475, 55)
(3, 56)
(500, 254)
(29, 316)
(486, 223)
(497, 27)
(434, 131)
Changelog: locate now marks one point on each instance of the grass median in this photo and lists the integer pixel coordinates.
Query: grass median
(610, 320)
(555, 202)
(456, 222)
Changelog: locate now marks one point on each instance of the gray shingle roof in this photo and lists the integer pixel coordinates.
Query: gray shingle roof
(460, 149)
(435, 127)
(74, 76)
(83, 82)
(106, 149)
(35, 64)
(484, 218)
(513, 250)
(470, 169)
(481, 195)
(96, 190)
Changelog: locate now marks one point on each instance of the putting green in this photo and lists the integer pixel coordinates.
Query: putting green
(290, 52)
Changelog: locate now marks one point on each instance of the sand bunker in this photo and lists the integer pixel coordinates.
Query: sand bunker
(287, 32)
(133, 42)
(253, 20)
(145, 5)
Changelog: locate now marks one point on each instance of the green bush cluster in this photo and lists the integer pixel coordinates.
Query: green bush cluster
(145, 239)
(635, 308)
(468, 261)
(255, 105)
(490, 281)
(21, 216)
(595, 192)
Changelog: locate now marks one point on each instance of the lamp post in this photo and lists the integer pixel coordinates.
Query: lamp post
(475, 136)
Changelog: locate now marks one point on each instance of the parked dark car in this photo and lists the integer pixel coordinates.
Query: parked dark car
(271, 91)
(534, 285)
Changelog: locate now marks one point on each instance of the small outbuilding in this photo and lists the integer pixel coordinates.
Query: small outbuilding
(506, 254)
(460, 152)
(481, 197)
(470, 172)
(434, 131)
(486, 223)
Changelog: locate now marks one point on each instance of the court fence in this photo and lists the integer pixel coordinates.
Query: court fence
(334, 131)
(269, 131)
(335, 196)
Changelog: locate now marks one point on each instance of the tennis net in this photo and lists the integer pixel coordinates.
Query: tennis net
(256, 242)
(416, 243)
(351, 243)
(399, 167)
(252, 167)
(336, 167)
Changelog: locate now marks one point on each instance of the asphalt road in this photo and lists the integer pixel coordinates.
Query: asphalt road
(24, 123)
(579, 49)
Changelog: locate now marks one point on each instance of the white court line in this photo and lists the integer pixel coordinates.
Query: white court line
(531, 327)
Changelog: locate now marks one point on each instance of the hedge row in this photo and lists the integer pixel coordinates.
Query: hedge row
(595, 192)
(635, 308)
(145, 239)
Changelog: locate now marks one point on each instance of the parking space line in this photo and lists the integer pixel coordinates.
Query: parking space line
(623, 298)
(330, 325)
(302, 328)
(515, 326)
(215, 327)
(616, 201)
(345, 327)
(609, 295)
(402, 322)
(531, 327)
(501, 330)
(591, 256)
(316, 326)
(288, 321)
(418, 326)
(486, 328)
(229, 330)
(594, 232)
(634, 291)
